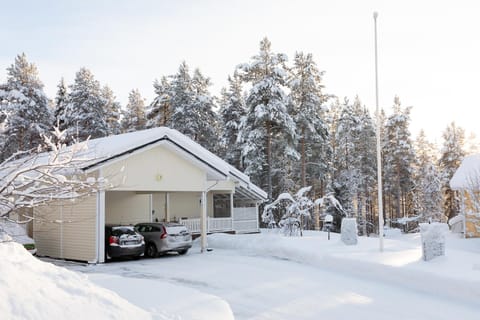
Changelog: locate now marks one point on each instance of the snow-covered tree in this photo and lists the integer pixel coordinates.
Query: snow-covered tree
(112, 111)
(399, 161)
(85, 113)
(308, 111)
(345, 177)
(24, 108)
(193, 107)
(47, 173)
(267, 131)
(297, 210)
(427, 195)
(451, 155)
(366, 165)
(61, 100)
(204, 119)
(134, 116)
(232, 110)
(159, 112)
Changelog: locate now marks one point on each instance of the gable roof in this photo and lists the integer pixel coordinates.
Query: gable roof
(103, 151)
(467, 175)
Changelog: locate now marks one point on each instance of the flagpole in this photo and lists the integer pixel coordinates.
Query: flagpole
(379, 151)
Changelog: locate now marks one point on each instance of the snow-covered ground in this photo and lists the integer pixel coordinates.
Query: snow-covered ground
(32, 289)
(268, 276)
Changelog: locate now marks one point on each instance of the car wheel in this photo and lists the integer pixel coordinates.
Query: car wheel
(151, 251)
(182, 252)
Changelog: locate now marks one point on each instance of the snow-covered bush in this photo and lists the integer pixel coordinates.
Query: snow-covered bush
(433, 239)
(349, 231)
(297, 209)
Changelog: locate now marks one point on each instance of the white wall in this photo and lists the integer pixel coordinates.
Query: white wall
(157, 169)
(126, 207)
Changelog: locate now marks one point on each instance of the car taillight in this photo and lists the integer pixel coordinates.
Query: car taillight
(164, 233)
(113, 239)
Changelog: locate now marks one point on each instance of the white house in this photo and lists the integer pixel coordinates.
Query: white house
(156, 175)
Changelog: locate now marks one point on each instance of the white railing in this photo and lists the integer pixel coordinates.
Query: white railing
(213, 224)
(247, 213)
(244, 220)
(219, 224)
(192, 224)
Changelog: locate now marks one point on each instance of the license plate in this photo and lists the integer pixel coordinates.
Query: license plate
(130, 242)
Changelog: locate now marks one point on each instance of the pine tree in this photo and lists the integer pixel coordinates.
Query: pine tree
(451, 156)
(192, 107)
(267, 132)
(205, 120)
(134, 116)
(112, 111)
(346, 176)
(61, 100)
(428, 182)
(85, 114)
(308, 111)
(182, 101)
(232, 110)
(24, 108)
(160, 110)
(366, 162)
(399, 159)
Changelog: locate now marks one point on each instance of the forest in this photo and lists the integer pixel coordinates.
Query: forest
(274, 121)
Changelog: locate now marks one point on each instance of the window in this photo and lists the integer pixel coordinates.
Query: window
(221, 206)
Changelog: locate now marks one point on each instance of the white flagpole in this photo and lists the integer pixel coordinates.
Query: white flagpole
(379, 151)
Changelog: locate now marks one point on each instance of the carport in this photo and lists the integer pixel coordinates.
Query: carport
(153, 175)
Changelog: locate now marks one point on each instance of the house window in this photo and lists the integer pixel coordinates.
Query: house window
(221, 206)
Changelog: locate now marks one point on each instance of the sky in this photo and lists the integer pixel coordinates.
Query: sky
(427, 50)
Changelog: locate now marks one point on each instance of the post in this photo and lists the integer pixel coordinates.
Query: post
(379, 151)
(101, 226)
(167, 206)
(203, 223)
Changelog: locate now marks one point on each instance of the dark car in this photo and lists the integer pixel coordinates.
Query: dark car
(163, 237)
(123, 241)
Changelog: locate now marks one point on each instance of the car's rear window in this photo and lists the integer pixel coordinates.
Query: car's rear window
(118, 231)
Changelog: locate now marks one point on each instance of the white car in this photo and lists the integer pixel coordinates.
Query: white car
(18, 234)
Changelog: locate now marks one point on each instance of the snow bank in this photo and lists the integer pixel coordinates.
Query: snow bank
(32, 289)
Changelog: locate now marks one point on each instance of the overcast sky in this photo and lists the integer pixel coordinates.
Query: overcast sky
(429, 51)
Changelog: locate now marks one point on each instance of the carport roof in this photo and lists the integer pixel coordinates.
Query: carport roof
(102, 151)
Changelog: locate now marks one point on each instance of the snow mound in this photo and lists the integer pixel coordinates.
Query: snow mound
(32, 289)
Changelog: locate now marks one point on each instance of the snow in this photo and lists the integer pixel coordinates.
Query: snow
(32, 289)
(269, 276)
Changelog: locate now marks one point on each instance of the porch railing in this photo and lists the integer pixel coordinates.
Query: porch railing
(213, 224)
(244, 220)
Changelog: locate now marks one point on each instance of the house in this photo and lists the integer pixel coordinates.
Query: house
(466, 181)
(155, 175)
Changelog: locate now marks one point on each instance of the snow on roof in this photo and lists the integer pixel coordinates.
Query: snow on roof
(103, 150)
(468, 174)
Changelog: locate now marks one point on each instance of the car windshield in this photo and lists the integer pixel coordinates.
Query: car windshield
(122, 230)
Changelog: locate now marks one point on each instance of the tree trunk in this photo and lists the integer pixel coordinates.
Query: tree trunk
(304, 180)
(269, 160)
